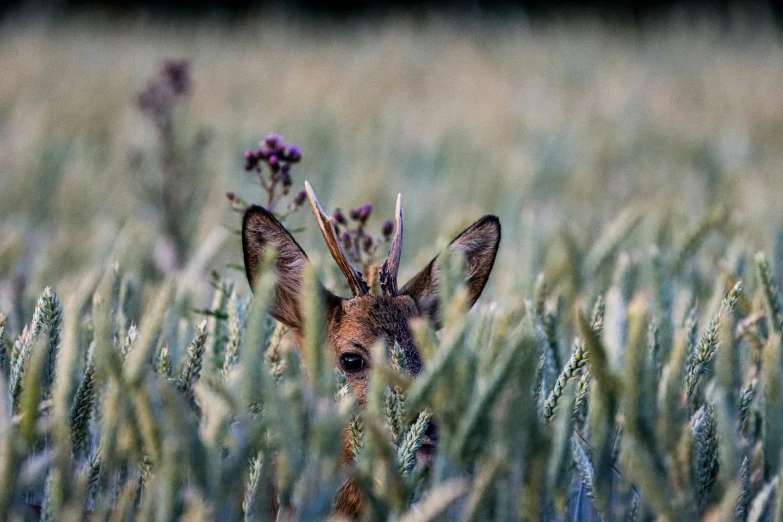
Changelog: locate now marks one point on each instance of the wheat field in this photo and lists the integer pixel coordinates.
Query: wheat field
(623, 363)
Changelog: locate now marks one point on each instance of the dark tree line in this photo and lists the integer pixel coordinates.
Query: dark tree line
(636, 11)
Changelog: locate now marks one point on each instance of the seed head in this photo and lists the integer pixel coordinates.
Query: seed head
(364, 212)
(177, 75)
(272, 141)
(387, 230)
(251, 160)
(293, 154)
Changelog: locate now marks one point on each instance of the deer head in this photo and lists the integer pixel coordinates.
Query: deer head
(355, 324)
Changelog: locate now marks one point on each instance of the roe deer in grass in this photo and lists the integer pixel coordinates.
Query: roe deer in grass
(355, 324)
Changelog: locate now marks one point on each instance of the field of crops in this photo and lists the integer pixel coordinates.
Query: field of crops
(624, 361)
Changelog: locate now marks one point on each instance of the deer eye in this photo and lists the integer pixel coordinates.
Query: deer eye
(351, 362)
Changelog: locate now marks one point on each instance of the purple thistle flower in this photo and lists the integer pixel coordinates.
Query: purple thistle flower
(293, 154)
(339, 216)
(251, 161)
(367, 242)
(273, 153)
(177, 75)
(272, 141)
(346, 239)
(364, 212)
(387, 229)
(354, 213)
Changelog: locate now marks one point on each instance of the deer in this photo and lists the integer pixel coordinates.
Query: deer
(355, 324)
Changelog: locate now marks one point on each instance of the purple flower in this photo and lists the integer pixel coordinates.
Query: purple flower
(177, 74)
(367, 241)
(293, 154)
(354, 214)
(346, 239)
(387, 229)
(364, 212)
(339, 216)
(273, 153)
(272, 141)
(167, 89)
(251, 161)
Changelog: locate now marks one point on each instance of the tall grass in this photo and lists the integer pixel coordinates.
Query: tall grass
(142, 430)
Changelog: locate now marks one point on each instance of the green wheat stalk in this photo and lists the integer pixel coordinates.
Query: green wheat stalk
(576, 362)
(574, 366)
(541, 292)
(395, 399)
(772, 388)
(411, 442)
(191, 369)
(47, 321)
(127, 342)
(771, 292)
(163, 366)
(4, 354)
(708, 343)
(250, 502)
(744, 495)
(747, 394)
(236, 324)
(81, 408)
(355, 436)
(583, 466)
(18, 347)
(704, 464)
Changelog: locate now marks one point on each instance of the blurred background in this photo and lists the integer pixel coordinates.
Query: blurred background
(561, 118)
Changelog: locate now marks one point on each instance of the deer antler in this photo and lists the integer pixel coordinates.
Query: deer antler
(388, 273)
(326, 224)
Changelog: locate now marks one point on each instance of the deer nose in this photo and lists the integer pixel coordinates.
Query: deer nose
(426, 453)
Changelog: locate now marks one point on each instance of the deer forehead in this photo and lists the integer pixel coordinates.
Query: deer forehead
(376, 316)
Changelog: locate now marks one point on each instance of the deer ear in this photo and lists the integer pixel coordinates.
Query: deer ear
(479, 245)
(261, 230)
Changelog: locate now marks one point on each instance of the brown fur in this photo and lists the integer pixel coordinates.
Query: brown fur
(355, 325)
